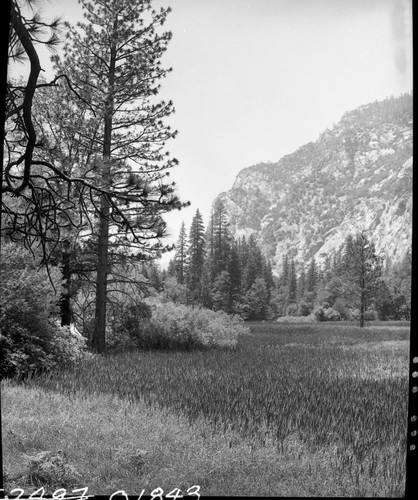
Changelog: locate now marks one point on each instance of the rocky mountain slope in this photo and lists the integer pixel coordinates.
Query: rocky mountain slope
(356, 176)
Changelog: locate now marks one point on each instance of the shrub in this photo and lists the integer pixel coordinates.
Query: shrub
(292, 309)
(304, 308)
(319, 314)
(174, 291)
(128, 325)
(179, 326)
(241, 308)
(31, 340)
(370, 315)
(341, 307)
(331, 314)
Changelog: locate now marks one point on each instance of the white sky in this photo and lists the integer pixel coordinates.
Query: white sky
(254, 80)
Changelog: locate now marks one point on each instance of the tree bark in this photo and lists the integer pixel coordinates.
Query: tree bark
(65, 294)
(99, 336)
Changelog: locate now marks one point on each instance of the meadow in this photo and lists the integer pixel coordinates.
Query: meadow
(295, 410)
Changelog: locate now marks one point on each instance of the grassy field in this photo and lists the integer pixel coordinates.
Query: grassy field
(295, 410)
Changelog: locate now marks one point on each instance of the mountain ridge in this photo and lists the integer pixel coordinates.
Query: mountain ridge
(356, 176)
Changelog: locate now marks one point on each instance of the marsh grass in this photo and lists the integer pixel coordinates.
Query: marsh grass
(296, 410)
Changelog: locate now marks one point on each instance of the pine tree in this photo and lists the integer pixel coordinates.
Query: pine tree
(312, 276)
(398, 282)
(301, 283)
(242, 248)
(292, 282)
(180, 256)
(220, 239)
(171, 269)
(221, 292)
(254, 265)
(113, 62)
(235, 274)
(284, 277)
(362, 272)
(155, 276)
(257, 298)
(196, 256)
(327, 268)
(267, 275)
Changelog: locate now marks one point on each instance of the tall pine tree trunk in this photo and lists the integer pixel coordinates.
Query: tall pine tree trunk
(99, 335)
(65, 309)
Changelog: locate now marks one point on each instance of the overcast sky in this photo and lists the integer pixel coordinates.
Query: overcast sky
(254, 80)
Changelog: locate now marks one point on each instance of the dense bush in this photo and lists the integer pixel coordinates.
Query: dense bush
(319, 314)
(180, 326)
(304, 308)
(292, 309)
(31, 339)
(331, 314)
(327, 314)
(130, 324)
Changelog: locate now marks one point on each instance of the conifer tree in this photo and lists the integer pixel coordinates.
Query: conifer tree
(399, 285)
(284, 277)
(312, 276)
(171, 270)
(254, 265)
(327, 268)
(361, 274)
(221, 292)
(180, 256)
(257, 298)
(220, 239)
(301, 283)
(292, 281)
(242, 248)
(113, 62)
(235, 273)
(196, 256)
(267, 275)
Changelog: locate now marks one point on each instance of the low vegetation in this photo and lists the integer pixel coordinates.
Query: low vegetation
(331, 395)
(31, 337)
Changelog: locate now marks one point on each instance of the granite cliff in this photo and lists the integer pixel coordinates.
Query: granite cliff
(356, 176)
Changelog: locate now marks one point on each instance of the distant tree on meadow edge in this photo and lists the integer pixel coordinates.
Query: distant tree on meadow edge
(361, 273)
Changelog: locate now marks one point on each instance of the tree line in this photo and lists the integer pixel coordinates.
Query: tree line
(212, 269)
(218, 272)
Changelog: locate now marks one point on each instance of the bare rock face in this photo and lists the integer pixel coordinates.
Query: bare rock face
(356, 176)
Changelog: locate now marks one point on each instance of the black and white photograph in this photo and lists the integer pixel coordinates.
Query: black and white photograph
(206, 248)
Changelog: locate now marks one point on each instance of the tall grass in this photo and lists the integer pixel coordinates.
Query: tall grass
(317, 384)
